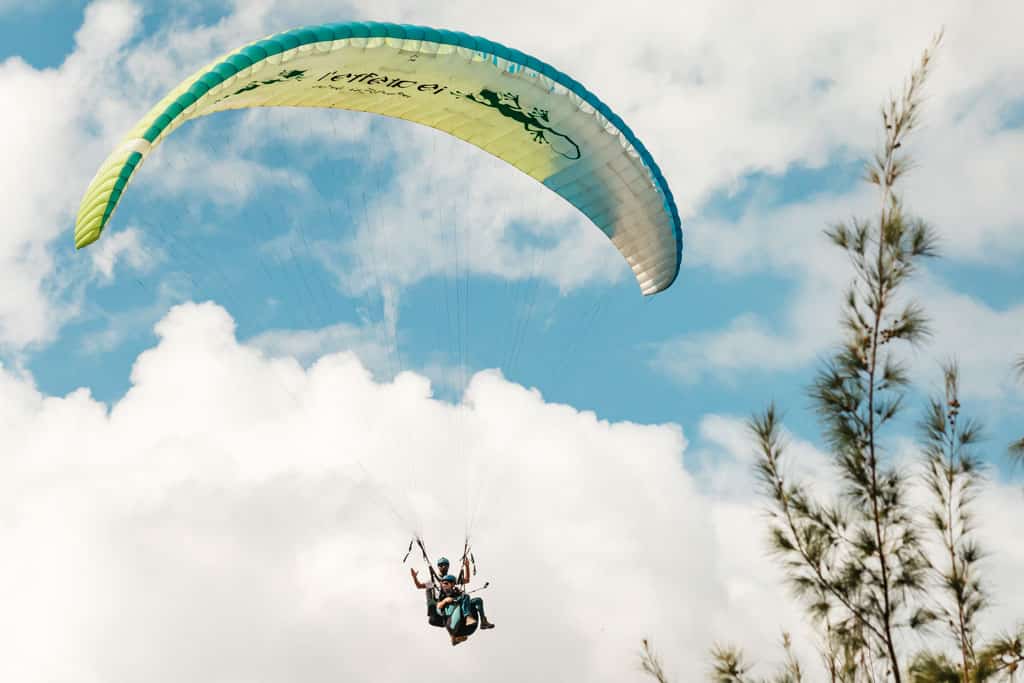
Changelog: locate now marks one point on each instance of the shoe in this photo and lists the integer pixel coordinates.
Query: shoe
(486, 624)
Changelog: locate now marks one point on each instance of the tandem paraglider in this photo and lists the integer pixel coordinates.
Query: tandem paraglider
(509, 104)
(449, 604)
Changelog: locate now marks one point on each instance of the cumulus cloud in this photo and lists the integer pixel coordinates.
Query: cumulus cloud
(712, 98)
(788, 240)
(449, 211)
(800, 326)
(237, 516)
(239, 513)
(715, 112)
(982, 338)
(372, 343)
(125, 246)
(59, 123)
(965, 154)
(42, 116)
(724, 471)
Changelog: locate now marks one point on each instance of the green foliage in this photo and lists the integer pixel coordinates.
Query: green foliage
(857, 561)
(998, 662)
(1017, 447)
(952, 475)
(650, 663)
(729, 666)
(869, 566)
(930, 667)
(843, 655)
(1002, 658)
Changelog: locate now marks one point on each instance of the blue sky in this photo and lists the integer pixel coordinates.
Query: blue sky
(305, 226)
(591, 347)
(609, 370)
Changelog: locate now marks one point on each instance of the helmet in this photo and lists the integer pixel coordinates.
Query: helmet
(443, 560)
(449, 578)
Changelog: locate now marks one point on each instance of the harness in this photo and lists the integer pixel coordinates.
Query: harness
(435, 580)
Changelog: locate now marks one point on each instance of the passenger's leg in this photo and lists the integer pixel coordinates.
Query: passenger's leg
(469, 609)
(477, 605)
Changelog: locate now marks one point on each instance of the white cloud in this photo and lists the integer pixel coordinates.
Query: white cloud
(785, 240)
(230, 517)
(223, 179)
(236, 516)
(726, 461)
(961, 185)
(125, 246)
(59, 123)
(717, 90)
(803, 326)
(712, 96)
(121, 325)
(983, 339)
(450, 212)
(746, 345)
(724, 464)
(372, 343)
(42, 114)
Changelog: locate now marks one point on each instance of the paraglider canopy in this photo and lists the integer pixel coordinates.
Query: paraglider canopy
(503, 101)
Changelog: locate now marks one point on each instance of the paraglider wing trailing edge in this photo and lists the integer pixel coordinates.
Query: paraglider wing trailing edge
(507, 103)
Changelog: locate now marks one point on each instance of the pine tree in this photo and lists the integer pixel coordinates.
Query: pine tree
(868, 565)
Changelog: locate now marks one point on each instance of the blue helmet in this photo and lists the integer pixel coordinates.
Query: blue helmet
(443, 561)
(449, 578)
